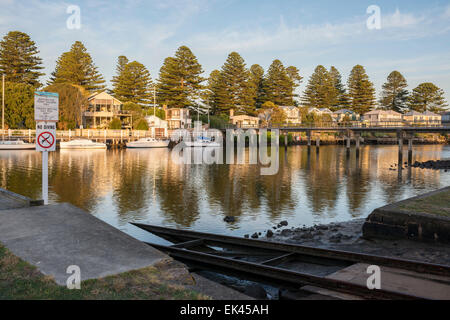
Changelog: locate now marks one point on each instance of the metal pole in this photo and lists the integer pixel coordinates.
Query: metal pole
(3, 104)
(154, 101)
(45, 177)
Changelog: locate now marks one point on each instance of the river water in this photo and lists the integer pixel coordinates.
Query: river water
(122, 186)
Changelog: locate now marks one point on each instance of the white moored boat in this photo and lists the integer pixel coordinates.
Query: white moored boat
(202, 142)
(16, 145)
(148, 143)
(82, 144)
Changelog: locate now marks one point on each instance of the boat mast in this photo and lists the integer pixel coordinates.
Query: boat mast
(3, 106)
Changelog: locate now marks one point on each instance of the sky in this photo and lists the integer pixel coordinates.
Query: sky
(413, 38)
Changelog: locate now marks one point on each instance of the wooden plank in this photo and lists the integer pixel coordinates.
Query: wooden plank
(418, 284)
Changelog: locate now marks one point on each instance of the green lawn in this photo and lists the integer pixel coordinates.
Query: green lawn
(438, 204)
(20, 280)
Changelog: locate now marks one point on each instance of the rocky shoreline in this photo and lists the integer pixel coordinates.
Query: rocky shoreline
(347, 236)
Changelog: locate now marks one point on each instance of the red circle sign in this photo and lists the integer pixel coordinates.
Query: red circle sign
(46, 140)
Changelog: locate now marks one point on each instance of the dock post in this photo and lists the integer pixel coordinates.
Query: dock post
(400, 149)
(348, 142)
(308, 135)
(317, 144)
(357, 141)
(410, 149)
(285, 141)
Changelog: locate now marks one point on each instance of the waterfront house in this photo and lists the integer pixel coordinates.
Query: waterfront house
(342, 114)
(157, 126)
(102, 108)
(387, 118)
(413, 118)
(432, 118)
(292, 114)
(445, 118)
(177, 118)
(244, 121)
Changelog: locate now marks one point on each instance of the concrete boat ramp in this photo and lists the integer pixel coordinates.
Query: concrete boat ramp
(54, 237)
(57, 236)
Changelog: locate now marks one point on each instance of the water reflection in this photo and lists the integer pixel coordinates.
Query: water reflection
(121, 186)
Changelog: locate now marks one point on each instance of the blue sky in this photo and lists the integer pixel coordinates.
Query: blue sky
(414, 37)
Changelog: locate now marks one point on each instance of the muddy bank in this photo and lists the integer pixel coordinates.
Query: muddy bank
(432, 164)
(347, 236)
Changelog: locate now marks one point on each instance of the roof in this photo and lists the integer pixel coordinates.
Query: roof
(344, 111)
(429, 113)
(288, 107)
(379, 111)
(244, 116)
(102, 95)
(325, 110)
(413, 113)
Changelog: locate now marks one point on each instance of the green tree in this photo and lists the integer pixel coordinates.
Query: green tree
(180, 80)
(427, 97)
(279, 84)
(234, 90)
(210, 96)
(122, 61)
(76, 67)
(141, 124)
(72, 102)
(18, 59)
(394, 95)
(19, 105)
(342, 100)
(135, 110)
(320, 91)
(361, 90)
(115, 124)
(256, 84)
(133, 84)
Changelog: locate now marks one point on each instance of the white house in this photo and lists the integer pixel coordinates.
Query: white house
(383, 118)
(157, 126)
(292, 113)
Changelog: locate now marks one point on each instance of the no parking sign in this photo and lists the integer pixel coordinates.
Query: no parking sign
(45, 136)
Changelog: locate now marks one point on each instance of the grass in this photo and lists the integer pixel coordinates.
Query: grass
(22, 281)
(437, 204)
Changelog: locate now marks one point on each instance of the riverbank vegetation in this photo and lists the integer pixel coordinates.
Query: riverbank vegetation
(181, 82)
(22, 281)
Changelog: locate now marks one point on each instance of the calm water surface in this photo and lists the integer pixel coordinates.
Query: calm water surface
(122, 186)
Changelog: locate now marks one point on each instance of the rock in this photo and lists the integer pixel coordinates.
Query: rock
(286, 232)
(322, 227)
(336, 238)
(283, 223)
(255, 236)
(259, 233)
(269, 234)
(229, 219)
(307, 235)
(246, 236)
(255, 291)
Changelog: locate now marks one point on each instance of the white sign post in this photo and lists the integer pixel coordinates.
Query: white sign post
(46, 116)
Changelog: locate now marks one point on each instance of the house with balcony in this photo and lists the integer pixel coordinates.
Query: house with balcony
(102, 108)
(177, 118)
(384, 118)
(293, 115)
(445, 118)
(244, 121)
